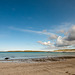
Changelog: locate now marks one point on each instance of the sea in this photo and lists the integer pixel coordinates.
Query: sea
(30, 55)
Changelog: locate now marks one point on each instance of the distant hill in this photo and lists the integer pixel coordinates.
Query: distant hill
(62, 50)
(65, 50)
(26, 51)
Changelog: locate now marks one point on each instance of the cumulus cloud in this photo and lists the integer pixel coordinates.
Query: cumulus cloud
(52, 37)
(48, 44)
(45, 43)
(71, 34)
(63, 42)
(60, 42)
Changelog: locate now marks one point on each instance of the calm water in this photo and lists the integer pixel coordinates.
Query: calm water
(28, 55)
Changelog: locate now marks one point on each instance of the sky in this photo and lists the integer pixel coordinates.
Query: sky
(37, 24)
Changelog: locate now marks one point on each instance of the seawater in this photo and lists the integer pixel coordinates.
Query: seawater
(29, 55)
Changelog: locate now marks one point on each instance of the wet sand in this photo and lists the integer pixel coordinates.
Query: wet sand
(65, 67)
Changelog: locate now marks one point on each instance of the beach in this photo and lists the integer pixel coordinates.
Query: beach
(64, 67)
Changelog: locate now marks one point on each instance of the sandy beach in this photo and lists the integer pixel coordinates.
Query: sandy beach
(66, 67)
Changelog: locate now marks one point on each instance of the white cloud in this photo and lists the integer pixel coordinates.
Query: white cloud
(71, 34)
(66, 41)
(45, 43)
(32, 31)
(52, 37)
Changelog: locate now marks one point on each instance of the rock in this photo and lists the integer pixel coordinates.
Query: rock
(6, 58)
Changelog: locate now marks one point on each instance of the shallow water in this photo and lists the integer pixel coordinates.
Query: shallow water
(29, 55)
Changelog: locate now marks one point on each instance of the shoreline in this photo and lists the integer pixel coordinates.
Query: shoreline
(43, 59)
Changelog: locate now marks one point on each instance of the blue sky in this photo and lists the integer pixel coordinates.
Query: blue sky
(28, 24)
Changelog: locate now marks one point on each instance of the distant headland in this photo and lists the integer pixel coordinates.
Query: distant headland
(65, 50)
(26, 51)
(62, 50)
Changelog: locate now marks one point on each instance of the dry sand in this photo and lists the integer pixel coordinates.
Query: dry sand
(66, 67)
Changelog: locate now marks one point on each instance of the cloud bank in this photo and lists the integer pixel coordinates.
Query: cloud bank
(66, 41)
(63, 38)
